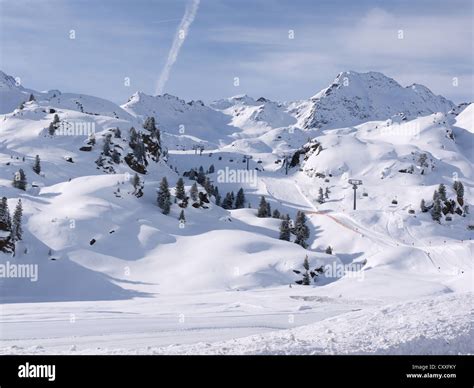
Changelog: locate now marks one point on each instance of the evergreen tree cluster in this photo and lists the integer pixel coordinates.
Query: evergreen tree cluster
(285, 228)
(19, 180)
(198, 198)
(11, 229)
(196, 175)
(143, 144)
(152, 139)
(53, 125)
(308, 275)
(232, 201)
(299, 229)
(443, 205)
(110, 154)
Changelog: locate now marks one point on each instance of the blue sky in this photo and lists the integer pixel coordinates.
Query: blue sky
(248, 39)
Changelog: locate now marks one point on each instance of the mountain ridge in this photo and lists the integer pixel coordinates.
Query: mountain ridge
(352, 98)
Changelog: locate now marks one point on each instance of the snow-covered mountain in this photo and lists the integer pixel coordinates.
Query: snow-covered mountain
(354, 98)
(465, 119)
(255, 116)
(96, 241)
(178, 117)
(12, 93)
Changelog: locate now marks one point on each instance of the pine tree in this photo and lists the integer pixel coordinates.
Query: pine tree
(276, 213)
(5, 220)
(269, 210)
(133, 138)
(320, 196)
(329, 250)
(19, 181)
(228, 201)
(164, 196)
(17, 231)
(117, 133)
(423, 207)
(51, 129)
(136, 181)
(53, 125)
(137, 185)
(139, 150)
(150, 125)
(180, 192)
(201, 177)
(442, 192)
(458, 187)
(217, 195)
(301, 230)
(154, 147)
(182, 218)
(193, 192)
(115, 156)
(436, 211)
(106, 147)
(153, 140)
(211, 169)
(32, 98)
(326, 193)
(306, 263)
(240, 199)
(285, 230)
(208, 186)
(37, 165)
(306, 277)
(262, 211)
(435, 195)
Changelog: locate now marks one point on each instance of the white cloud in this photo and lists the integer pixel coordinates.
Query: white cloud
(434, 49)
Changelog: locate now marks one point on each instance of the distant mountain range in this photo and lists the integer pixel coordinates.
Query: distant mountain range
(351, 99)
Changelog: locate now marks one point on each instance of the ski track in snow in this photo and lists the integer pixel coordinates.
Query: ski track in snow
(419, 327)
(439, 325)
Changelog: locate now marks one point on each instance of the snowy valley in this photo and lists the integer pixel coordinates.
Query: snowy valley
(162, 226)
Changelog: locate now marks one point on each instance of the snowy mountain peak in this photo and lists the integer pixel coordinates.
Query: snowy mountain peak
(238, 100)
(12, 93)
(8, 82)
(142, 104)
(355, 97)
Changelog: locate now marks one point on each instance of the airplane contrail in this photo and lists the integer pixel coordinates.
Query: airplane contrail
(180, 36)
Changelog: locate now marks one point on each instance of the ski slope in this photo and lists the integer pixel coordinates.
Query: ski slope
(118, 276)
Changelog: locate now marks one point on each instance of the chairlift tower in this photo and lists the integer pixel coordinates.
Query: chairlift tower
(355, 183)
(286, 163)
(247, 158)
